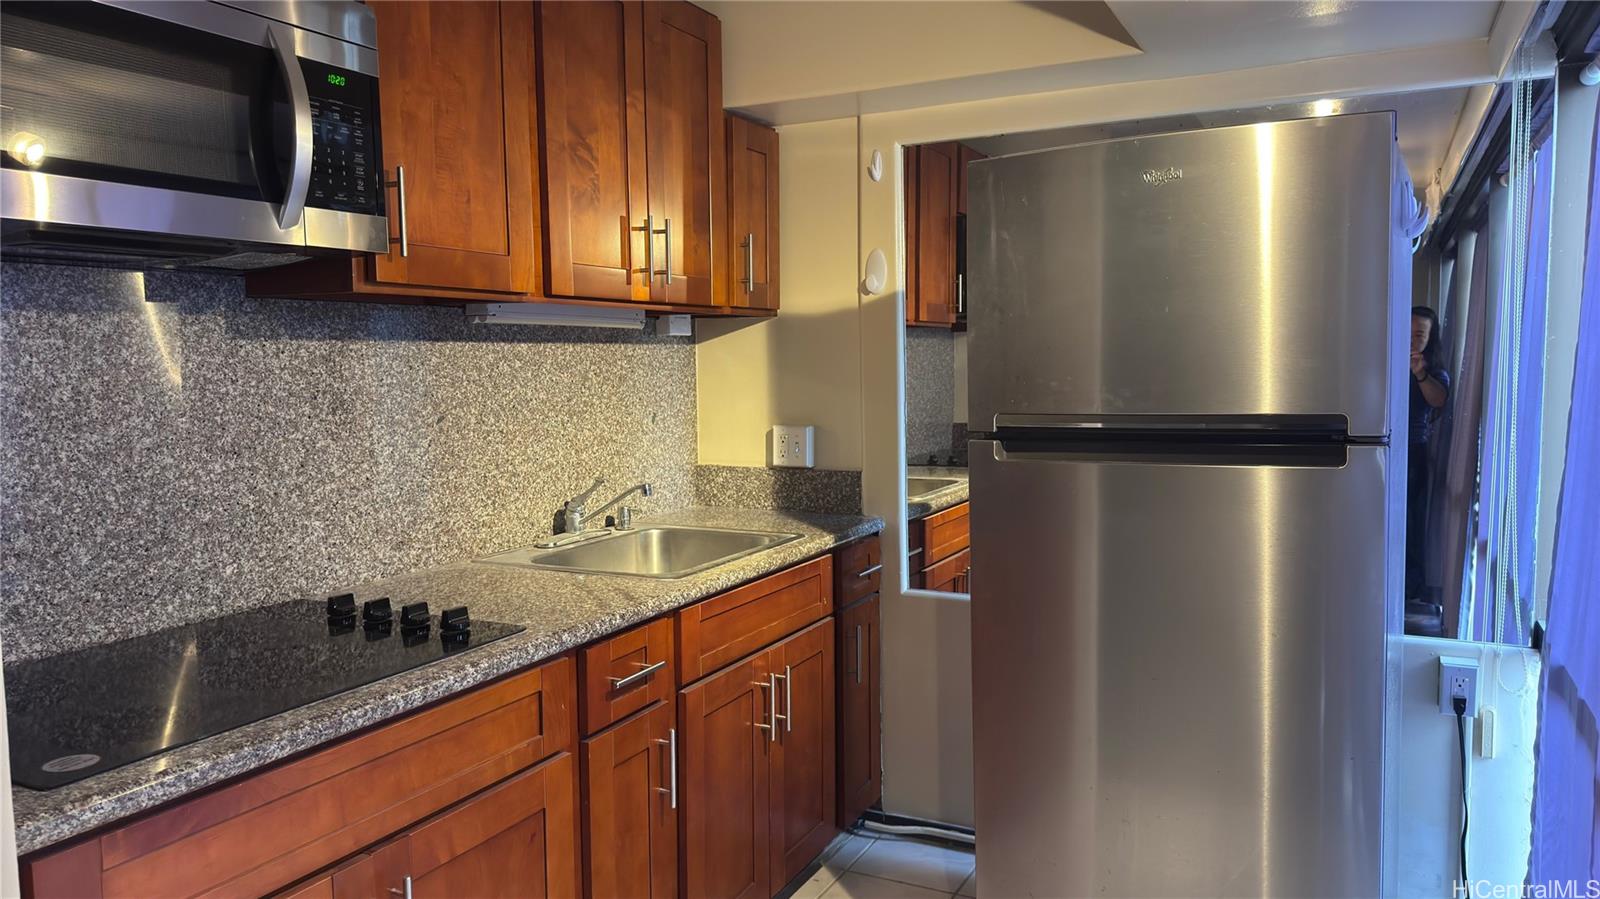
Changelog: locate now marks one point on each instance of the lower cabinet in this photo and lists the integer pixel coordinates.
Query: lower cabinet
(860, 767)
(630, 807)
(758, 787)
(517, 839)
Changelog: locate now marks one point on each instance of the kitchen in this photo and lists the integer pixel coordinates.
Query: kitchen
(243, 513)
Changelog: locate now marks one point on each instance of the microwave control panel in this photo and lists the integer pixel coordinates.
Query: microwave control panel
(345, 168)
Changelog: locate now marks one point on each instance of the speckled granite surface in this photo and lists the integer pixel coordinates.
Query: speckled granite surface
(794, 489)
(198, 453)
(940, 499)
(560, 611)
(930, 392)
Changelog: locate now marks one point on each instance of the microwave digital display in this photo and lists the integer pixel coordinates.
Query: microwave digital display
(345, 169)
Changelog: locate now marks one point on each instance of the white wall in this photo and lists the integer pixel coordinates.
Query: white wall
(1500, 788)
(803, 367)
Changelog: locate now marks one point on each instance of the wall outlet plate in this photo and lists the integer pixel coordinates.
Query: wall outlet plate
(1458, 677)
(791, 446)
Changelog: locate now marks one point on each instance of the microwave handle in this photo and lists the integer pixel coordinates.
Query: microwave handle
(294, 200)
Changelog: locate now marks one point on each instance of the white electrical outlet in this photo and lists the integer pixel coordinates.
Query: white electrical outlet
(1458, 677)
(791, 446)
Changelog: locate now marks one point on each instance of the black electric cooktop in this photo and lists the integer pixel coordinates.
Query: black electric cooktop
(80, 713)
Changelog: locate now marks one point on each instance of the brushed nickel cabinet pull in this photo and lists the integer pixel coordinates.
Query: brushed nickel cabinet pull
(623, 683)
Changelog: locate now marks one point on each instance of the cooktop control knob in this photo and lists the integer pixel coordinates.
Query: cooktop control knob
(454, 624)
(376, 613)
(342, 608)
(414, 617)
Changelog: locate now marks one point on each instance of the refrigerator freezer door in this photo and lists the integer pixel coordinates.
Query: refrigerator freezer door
(1238, 271)
(1178, 676)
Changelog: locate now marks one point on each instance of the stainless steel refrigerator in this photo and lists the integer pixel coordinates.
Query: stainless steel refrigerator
(1186, 511)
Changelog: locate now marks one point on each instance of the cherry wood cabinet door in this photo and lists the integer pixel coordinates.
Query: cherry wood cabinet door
(686, 149)
(750, 249)
(515, 840)
(725, 748)
(860, 769)
(935, 238)
(591, 63)
(630, 816)
(457, 109)
(803, 790)
(964, 155)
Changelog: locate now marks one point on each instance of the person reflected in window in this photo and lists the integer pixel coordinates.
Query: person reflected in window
(1430, 390)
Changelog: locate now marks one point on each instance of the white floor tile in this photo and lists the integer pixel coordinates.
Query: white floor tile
(922, 864)
(836, 859)
(859, 886)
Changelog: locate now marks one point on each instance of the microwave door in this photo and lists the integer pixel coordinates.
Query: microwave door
(187, 119)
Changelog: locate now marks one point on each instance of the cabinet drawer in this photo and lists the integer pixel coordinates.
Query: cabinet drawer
(729, 627)
(950, 575)
(269, 829)
(857, 570)
(944, 534)
(623, 674)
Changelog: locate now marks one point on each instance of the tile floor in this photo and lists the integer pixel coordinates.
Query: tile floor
(865, 865)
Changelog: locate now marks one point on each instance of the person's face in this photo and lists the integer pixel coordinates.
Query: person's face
(1420, 329)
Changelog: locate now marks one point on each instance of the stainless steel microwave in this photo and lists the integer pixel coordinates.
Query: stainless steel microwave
(238, 134)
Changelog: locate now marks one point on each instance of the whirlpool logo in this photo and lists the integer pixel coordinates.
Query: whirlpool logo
(1158, 177)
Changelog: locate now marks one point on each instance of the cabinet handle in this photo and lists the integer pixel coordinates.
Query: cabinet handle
(623, 683)
(788, 699)
(399, 185)
(672, 767)
(750, 263)
(405, 892)
(961, 293)
(667, 269)
(649, 270)
(914, 552)
(872, 570)
(858, 654)
(771, 686)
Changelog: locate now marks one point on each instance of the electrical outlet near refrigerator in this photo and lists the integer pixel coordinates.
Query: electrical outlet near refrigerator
(1458, 677)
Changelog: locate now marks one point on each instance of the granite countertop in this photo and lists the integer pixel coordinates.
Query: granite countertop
(560, 610)
(940, 499)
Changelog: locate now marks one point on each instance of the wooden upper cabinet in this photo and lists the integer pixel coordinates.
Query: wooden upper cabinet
(457, 103)
(803, 788)
(964, 155)
(933, 230)
(591, 62)
(750, 246)
(686, 149)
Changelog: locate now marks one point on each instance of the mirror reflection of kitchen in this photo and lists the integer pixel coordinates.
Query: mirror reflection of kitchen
(936, 377)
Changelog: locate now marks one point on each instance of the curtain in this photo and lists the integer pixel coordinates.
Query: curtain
(1459, 428)
(1566, 812)
(1499, 577)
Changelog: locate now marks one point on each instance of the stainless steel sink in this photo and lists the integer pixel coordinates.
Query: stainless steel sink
(661, 551)
(917, 488)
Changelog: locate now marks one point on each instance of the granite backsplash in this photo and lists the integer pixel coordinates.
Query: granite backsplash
(930, 394)
(174, 450)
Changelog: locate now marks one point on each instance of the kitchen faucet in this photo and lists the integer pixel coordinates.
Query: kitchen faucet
(575, 513)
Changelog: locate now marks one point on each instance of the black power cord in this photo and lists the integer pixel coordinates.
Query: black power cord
(1459, 703)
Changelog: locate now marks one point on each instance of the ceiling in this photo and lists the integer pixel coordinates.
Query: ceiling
(788, 62)
(1426, 123)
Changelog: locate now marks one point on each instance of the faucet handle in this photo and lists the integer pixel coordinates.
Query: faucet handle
(625, 518)
(577, 501)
